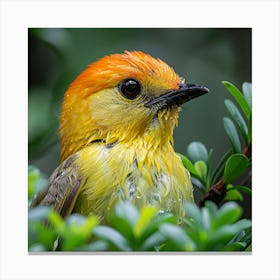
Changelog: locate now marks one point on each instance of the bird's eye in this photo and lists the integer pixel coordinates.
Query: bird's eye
(130, 88)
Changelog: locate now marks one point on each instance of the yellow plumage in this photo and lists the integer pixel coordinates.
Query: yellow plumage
(116, 134)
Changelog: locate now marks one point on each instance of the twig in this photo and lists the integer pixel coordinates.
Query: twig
(217, 192)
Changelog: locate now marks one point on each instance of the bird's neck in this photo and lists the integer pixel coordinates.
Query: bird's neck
(153, 135)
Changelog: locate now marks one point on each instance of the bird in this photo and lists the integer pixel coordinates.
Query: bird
(116, 135)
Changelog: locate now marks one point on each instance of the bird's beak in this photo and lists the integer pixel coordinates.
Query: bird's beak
(184, 93)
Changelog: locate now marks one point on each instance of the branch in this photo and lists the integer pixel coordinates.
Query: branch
(217, 192)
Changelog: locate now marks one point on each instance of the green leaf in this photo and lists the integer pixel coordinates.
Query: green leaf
(243, 189)
(158, 220)
(192, 211)
(113, 237)
(56, 220)
(77, 231)
(229, 213)
(239, 97)
(36, 181)
(233, 195)
(219, 170)
(201, 169)
(124, 219)
(40, 236)
(196, 151)
(236, 165)
(37, 248)
(128, 212)
(232, 134)
(146, 214)
(225, 233)
(222, 236)
(98, 245)
(238, 119)
(123, 226)
(238, 237)
(236, 246)
(241, 225)
(39, 213)
(152, 241)
(247, 91)
(212, 209)
(176, 235)
(187, 163)
(80, 224)
(206, 220)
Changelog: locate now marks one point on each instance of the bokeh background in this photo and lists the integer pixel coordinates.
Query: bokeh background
(204, 56)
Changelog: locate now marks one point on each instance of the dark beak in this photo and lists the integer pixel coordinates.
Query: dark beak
(184, 93)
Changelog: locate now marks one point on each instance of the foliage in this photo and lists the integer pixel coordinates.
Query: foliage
(234, 163)
(209, 228)
(206, 229)
(36, 181)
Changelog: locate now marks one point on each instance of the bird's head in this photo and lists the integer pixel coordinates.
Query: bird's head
(123, 98)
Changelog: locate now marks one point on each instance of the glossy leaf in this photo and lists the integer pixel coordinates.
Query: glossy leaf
(235, 166)
(128, 212)
(192, 211)
(219, 170)
(77, 231)
(40, 236)
(146, 214)
(158, 220)
(177, 236)
(197, 183)
(247, 91)
(239, 97)
(38, 213)
(196, 151)
(240, 188)
(233, 195)
(98, 245)
(232, 134)
(243, 189)
(238, 119)
(55, 219)
(212, 209)
(201, 170)
(113, 237)
(124, 219)
(36, 181)
(152, 241)
(123, 226)
(37, 248)
(205, 218)
(236, 246)
(187, 163)
(227, 214)
(238, 237)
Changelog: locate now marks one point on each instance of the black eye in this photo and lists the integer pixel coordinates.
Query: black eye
(130, 88)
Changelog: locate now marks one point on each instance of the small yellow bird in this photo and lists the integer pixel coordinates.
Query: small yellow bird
(116, 130)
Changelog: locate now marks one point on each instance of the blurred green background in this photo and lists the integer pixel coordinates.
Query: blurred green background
(204, 56)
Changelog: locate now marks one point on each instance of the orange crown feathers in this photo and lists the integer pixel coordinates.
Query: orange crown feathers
(110, 70)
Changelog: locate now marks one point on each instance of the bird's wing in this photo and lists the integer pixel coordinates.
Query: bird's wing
(63, 188)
